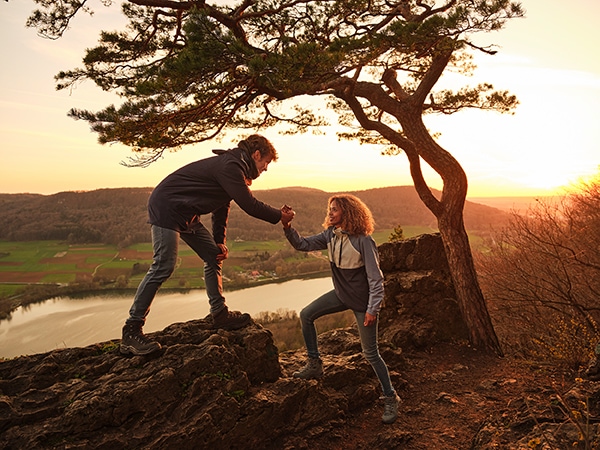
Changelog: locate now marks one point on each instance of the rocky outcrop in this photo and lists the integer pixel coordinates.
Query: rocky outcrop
(206, 389)
(225, 389)
(420, 303)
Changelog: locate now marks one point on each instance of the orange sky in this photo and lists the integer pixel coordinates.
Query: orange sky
(549, 60)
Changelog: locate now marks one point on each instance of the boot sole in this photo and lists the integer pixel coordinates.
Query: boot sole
(311, 377)
(389, 421)
(129, 350)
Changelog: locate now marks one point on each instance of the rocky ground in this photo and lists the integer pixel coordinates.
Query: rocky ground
(231, 390)
(455, 397)
(216, 389)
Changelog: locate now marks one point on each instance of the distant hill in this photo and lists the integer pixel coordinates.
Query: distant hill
(112, 216)
(119, 216)
(518, 204)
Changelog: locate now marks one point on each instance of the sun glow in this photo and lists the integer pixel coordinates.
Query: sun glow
(546, 176)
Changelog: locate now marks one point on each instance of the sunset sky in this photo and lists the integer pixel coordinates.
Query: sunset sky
(548, 59)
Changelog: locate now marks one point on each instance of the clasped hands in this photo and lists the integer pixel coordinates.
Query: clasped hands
(287, 215)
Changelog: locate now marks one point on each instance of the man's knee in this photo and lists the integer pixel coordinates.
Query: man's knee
(162, 269)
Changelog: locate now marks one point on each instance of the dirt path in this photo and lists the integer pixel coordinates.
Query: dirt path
(448, 394)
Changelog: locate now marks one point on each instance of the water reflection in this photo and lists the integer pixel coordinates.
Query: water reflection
(77, 322)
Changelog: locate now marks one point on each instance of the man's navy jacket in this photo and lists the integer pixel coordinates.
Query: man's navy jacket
(208, 186)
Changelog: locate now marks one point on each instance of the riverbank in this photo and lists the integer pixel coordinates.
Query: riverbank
(65, 322)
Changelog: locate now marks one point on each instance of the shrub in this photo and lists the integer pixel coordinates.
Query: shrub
(541, 278)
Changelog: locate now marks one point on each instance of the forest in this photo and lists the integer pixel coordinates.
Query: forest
(119, 216)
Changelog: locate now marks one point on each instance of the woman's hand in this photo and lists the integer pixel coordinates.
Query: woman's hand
(370, 320)
(287, 215)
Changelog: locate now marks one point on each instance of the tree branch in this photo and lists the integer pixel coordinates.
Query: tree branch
(397, 139)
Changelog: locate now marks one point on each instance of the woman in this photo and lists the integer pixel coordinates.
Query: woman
(358, 285)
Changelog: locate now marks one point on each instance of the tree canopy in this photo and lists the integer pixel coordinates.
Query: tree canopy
(189, 70)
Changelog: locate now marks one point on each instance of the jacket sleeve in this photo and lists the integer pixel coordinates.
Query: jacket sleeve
(219, 223)
(316, 242)
(232, 180)
(370, 256)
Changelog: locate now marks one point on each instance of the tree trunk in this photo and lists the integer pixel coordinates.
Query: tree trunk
(468, 292)
(449, 213)
(418, 144)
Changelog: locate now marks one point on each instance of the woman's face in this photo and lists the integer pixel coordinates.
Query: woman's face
(335, 214)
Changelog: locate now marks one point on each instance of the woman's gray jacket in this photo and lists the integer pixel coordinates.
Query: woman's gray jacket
(354, 261)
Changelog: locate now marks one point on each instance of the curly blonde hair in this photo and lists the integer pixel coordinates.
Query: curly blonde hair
(357, 218)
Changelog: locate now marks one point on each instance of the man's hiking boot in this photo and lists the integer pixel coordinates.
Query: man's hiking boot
(312, 370)
(390, 408)
(230, 320)
(135, 342)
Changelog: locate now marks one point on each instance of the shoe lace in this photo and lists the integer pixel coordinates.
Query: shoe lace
(142, 338)
(389, 405)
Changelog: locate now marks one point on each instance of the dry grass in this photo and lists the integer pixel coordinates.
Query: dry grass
(285, 326)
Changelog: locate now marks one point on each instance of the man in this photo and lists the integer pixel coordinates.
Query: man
(175, 206)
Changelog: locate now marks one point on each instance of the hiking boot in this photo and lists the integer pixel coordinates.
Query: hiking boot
(312, 370)
(390, 408)
(593, 369)
(135, 342)
(230, 320)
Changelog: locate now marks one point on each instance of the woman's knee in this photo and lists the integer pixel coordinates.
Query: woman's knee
(370, 350)
(303, 316)
(372, 356)
(306, 316)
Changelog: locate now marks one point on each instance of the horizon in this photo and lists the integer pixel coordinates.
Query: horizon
(468, 198)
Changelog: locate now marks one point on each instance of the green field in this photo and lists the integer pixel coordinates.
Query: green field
(54, 262)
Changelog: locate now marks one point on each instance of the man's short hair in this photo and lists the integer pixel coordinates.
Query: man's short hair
(260, 143)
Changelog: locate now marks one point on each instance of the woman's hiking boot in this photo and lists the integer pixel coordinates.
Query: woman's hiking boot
(312, 370)
(135, 342)
(390, 408)
(230, 320)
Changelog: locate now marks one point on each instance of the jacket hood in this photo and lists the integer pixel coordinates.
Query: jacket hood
(249, 165)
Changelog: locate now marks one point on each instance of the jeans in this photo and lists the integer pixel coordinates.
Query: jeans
(329, 303)
(165, 243)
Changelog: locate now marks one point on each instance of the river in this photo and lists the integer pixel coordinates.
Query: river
(65, 322)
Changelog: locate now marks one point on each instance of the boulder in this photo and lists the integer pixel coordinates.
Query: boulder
(420, 306)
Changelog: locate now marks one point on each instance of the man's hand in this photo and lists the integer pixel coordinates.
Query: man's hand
(287, 215)
(224, 252)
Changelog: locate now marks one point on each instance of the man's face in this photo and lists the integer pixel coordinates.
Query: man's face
(261, 162)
